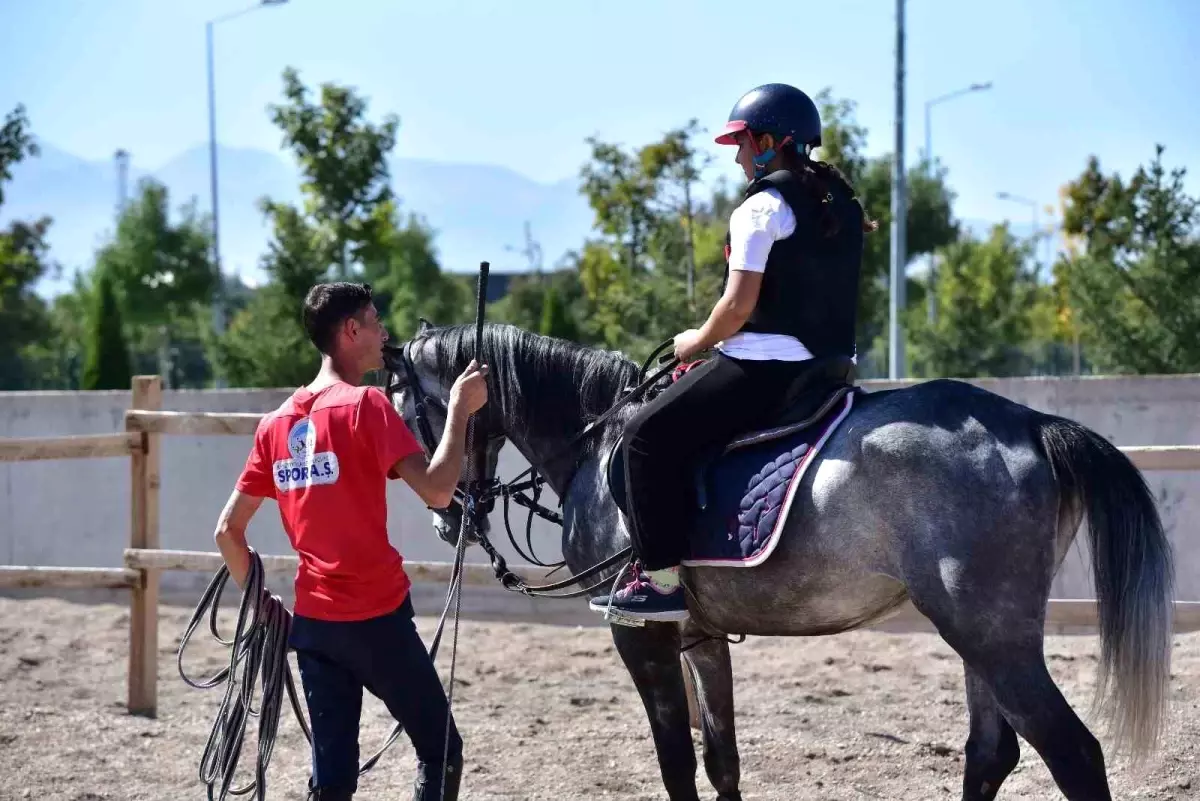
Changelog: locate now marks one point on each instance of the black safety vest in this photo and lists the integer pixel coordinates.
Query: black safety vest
(810, 286)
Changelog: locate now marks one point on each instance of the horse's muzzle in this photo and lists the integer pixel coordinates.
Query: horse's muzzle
(447, 523)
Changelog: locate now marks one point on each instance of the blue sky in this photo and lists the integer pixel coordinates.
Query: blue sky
(522, 83)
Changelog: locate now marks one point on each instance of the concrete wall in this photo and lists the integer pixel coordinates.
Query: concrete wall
(76, 512)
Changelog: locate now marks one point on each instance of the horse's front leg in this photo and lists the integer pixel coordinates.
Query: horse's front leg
(712, 673)
(651, 654)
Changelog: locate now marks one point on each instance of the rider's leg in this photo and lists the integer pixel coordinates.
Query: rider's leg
(704, 409)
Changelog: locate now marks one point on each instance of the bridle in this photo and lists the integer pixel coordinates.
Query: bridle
(479, 492)
(482, 493)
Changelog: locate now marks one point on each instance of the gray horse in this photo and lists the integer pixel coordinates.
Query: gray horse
(942, 494)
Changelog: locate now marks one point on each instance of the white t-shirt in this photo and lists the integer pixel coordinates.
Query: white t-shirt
(763, 219)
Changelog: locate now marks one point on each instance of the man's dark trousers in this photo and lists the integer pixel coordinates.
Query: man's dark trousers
(384, 655)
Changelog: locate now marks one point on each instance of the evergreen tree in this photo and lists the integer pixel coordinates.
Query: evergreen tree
(556, 319)
(986, 295)
(106, 361)
(1133, 287)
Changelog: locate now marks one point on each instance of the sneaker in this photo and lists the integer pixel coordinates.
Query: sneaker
(641, 598)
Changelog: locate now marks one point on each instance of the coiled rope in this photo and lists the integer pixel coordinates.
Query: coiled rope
(259, 656)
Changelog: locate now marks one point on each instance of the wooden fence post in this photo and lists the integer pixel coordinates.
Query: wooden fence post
(143, 533)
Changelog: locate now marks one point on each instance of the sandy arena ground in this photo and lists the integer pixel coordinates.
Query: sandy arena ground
(548, 713)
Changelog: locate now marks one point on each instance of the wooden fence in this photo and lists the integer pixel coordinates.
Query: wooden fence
(146, 421)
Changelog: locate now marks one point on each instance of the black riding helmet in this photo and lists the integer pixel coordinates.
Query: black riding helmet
(777, 109)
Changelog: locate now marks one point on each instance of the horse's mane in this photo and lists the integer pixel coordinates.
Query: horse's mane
(562, 385)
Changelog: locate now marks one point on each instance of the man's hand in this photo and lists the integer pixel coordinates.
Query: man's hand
(469, 393)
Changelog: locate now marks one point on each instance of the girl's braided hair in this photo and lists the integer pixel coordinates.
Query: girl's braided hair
(819, 176)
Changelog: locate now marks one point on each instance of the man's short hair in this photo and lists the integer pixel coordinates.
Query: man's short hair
(328, 305)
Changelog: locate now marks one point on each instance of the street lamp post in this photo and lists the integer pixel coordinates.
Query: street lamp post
(1032, 204)
(899, 256)
(931, 301)
(218, 316)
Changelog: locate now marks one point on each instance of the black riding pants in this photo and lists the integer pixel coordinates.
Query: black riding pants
(385, 656)
(704, 410)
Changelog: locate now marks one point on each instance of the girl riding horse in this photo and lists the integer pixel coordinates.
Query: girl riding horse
(793, 257)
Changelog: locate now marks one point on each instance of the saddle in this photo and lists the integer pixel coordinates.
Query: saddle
(807, 401)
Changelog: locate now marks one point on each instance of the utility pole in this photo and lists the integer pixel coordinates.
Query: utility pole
(1035, 232)
(899, 216)
(218, 303)
(532, 251)
(122, 159)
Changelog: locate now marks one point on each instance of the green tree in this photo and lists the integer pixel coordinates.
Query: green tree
(527, 303)
(24, 320)
(557, 320)
(349, 221)
(343, 158)
(106, 360)
(406, 278)
(55, 359)
(522, 303)
(635, 276)
(265, 344)
(616, 310)
(160, 269)
(985, 297)
(163, 277)
(675, 165)
(621, 195)
(612, 265)
(16, 144)
(1133, 288)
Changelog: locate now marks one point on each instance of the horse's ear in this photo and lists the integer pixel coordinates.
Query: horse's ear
(424, 325)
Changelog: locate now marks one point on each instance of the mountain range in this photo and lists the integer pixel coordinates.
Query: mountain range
(478, 211)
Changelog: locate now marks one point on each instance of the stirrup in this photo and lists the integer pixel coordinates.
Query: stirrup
(616, 615)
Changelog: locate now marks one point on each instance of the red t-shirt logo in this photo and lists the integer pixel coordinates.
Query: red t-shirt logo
(306, 466)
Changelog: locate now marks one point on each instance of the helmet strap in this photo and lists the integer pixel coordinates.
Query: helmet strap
(763, 157)
(761, 160)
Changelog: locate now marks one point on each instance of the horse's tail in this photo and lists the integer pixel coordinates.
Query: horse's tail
(1133, 571)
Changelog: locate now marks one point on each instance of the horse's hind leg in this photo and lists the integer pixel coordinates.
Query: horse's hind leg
(713, 675)
(1038, 711)
(1014, 669)
(992, 749)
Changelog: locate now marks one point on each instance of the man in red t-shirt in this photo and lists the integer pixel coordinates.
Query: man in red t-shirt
(325, 456)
